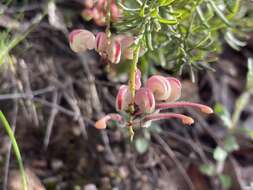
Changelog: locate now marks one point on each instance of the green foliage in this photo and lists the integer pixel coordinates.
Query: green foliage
(141, 145)
(249, 83)
(223, 113)
(219, 154)
(182, 33)
(208, 169)
(15, 148)
(230, 144)
(226, 181)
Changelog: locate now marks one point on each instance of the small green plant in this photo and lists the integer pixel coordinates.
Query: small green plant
(174, 34)
(15, 148)
(230, 121)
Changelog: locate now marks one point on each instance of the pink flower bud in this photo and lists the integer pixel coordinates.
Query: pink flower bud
(123, 98)
(137, 79)
(145, 100)
(102, 123)
(175, 89)
(114, 51)
(127, 50)
(185, 119)
(101, 43)
(87, 14)
(115, 12)
(89, 3)
(81, 40)
(159, 86)
(100, 20)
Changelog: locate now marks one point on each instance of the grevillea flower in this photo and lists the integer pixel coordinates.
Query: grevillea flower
(160, 87)
(109, 48)
(176, 88)
(127, 50)
(123, 98)
(97, 10)
(145, 100)
(101, 43)
(114, 51)
(80, 40)
(159, 93)
(102, 123)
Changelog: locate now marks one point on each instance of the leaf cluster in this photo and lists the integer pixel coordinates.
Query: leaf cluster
(185, 33)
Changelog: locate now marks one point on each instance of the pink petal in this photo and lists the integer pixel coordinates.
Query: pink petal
(145, 100)
(123, 98)
(114, 51)
(175, 89)
(159, 86)
(81, 40)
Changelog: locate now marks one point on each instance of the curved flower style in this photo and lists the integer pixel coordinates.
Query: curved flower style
(159, 93)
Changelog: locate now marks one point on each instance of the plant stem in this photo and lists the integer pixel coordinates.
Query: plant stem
(15, 148)
(133, 70)
(132, 73)
(108, 19)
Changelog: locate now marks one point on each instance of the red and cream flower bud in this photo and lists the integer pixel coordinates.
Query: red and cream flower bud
(87, 14)
(176, 88)
(89, 3)
(145, 100)
(114, 51)
(115, 12)
(127, 50)
(81, 40)
(101, 43)
(160, 87)
(102, 123)
(123, 98)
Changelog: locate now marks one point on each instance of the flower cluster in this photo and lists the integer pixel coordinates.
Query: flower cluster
(157, 94)
(98, 10)
(111, 48)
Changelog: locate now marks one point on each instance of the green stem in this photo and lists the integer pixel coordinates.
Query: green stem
(15, 148)
(108, 19)
(133, 70)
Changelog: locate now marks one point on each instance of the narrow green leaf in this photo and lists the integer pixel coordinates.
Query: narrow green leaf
(201, 17)
(219, 13)
(16, 149)
(249, 84)
(167, 21)
(226, 181)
